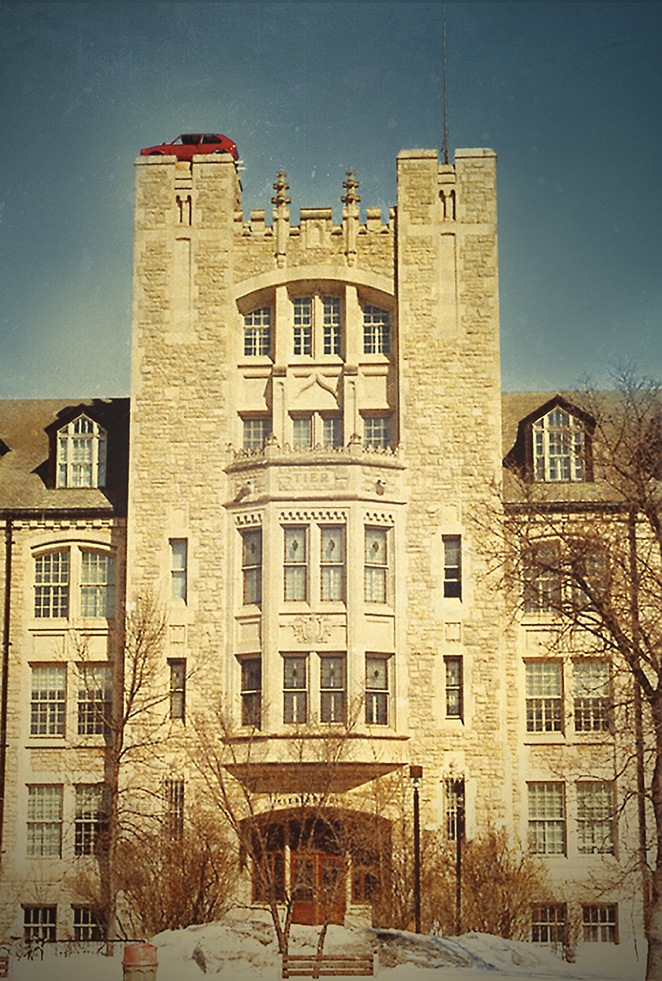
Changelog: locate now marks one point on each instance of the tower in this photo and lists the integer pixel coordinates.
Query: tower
(316, 410)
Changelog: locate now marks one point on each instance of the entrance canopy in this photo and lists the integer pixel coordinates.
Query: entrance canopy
(311, 778)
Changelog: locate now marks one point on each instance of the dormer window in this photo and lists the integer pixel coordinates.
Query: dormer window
(81, 454)
(558, 447)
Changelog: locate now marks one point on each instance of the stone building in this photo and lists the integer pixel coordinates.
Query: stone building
(316, 419)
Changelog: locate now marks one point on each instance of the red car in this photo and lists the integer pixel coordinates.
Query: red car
(190, 144)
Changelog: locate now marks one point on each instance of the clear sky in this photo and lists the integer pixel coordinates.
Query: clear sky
(568, 94)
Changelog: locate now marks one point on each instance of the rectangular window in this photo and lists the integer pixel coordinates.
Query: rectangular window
(303, 325)
(52, 584)
(376, 559)
(454, 687)
(295, 689)
(179, 568)
(452, 566)
(376, 690)
(332, 431)
(332, 324)
(256, 432)
(251, 565)
(376, 331)
(177, 688)
(296, 564)
(48, 703)
(251, 692)
(302, 433)
(39, 922)
(91, 817)
(542, 579)
(454, 807)
(377, 432)
(592, 705)
(544, 696)
(95, 697)
(333, 691)
(97, 591)
(546, 819)
(332, 563)
(257, 332)
(595, 818)
(45, 821)
(174, 808)
(600, 923)
(548, 924)
(86, 925)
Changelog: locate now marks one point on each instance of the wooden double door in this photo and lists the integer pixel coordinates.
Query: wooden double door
(319, 884)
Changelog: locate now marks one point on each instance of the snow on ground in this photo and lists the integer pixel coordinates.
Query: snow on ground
(242, 947)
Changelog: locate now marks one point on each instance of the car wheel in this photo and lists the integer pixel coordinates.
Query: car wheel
(217, 151)
(155, 153)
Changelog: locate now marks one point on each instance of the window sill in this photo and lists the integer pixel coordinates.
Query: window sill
(539, 738)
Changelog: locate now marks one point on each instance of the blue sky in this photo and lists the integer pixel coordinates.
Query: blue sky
(568, 94)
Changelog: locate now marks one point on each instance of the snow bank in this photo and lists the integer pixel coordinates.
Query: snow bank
(242, 947)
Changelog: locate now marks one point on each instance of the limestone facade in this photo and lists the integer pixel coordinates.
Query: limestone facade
(316, 419)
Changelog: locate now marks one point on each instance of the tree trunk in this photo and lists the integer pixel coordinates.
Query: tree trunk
(654, 964)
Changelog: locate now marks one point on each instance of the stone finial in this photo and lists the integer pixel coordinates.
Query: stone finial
(350, 217)
(281, 217)
(350, 184)
(280, 187)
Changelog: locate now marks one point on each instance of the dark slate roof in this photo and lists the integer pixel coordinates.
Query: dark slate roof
(25, 477)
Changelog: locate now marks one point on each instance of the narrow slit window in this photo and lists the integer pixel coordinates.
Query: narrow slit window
(179, 569)
(454, 688)
(177, 688)
(452, 566)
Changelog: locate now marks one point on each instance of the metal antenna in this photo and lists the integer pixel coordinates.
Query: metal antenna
(445, 93)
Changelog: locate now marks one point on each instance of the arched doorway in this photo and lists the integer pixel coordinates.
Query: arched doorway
(322, 860)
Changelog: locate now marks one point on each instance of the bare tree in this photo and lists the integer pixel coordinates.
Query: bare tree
(309, 821)
(494, 866)
(133, 696)
(595, 563)
(174, 877)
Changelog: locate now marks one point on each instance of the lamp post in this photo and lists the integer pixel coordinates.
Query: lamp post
(458, 791)
(416, 776)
